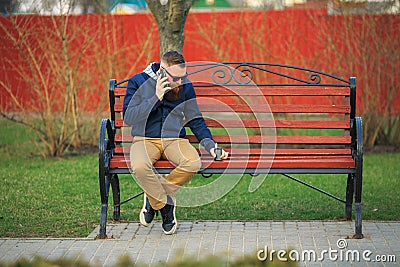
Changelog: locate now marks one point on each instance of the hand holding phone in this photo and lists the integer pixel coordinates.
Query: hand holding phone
(218, 153)
(162, 85)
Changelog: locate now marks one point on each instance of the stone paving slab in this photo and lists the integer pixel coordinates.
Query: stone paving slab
(314, 243)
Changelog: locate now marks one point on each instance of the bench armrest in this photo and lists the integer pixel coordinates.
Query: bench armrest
(107, 133)
(106, 144)
(357, 138)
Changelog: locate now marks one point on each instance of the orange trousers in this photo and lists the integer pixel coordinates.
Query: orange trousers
(146, 151)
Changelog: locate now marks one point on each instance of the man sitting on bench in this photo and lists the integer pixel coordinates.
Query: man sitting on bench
(157, 102)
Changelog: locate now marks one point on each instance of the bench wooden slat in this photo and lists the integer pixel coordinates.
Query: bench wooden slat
(313, 151)
(241, 139)
(240, 91)
(224, 139)
(280, 139)
(260, 91)
(302, 100)
(288, 162)
(268, 151)
(241, 157)
(275, 108)
(298, 124)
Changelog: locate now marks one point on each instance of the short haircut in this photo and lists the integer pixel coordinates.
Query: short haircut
(173, 58)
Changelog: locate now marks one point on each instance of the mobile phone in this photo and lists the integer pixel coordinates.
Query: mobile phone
(163, 74)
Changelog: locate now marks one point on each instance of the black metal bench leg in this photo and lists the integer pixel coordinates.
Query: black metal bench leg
(358, 177)
(116, 197)
(349, 196)
(105, 146)
(357, 200)
(104, 190)
(103, 221)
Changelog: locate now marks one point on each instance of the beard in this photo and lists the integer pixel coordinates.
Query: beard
(174, 94)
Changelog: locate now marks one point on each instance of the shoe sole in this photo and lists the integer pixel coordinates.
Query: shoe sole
(172, 231)
(141, 215)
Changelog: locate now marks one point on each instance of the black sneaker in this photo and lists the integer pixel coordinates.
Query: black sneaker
(147, 213)
(169, 222)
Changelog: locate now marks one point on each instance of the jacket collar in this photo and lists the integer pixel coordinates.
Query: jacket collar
(152, 69)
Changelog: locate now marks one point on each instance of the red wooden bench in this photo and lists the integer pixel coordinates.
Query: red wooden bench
(271, 118)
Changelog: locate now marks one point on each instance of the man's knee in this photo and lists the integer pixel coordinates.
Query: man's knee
(191, 165)
(141, 166)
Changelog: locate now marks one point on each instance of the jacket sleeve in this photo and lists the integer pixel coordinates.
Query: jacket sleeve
(137, 106)
(196, 122)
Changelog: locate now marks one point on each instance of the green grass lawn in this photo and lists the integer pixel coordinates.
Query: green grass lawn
(60, 197)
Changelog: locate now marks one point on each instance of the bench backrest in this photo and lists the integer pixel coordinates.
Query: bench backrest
(255, 107)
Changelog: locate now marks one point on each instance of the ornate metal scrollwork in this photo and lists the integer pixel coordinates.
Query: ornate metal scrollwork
(315, 78)
(244, 73)
(224, 74)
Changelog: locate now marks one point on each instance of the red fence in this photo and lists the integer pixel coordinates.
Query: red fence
(98, 47)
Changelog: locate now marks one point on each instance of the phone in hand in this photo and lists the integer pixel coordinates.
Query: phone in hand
(163, 74)
(218, 154)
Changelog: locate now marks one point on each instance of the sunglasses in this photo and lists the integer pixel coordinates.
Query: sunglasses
(176, 78)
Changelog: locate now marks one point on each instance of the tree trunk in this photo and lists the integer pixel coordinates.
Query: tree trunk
(170, 19)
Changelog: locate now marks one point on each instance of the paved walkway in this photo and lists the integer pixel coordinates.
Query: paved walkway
(329, 240)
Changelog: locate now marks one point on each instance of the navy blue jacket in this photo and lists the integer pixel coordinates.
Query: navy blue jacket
(150, 117)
